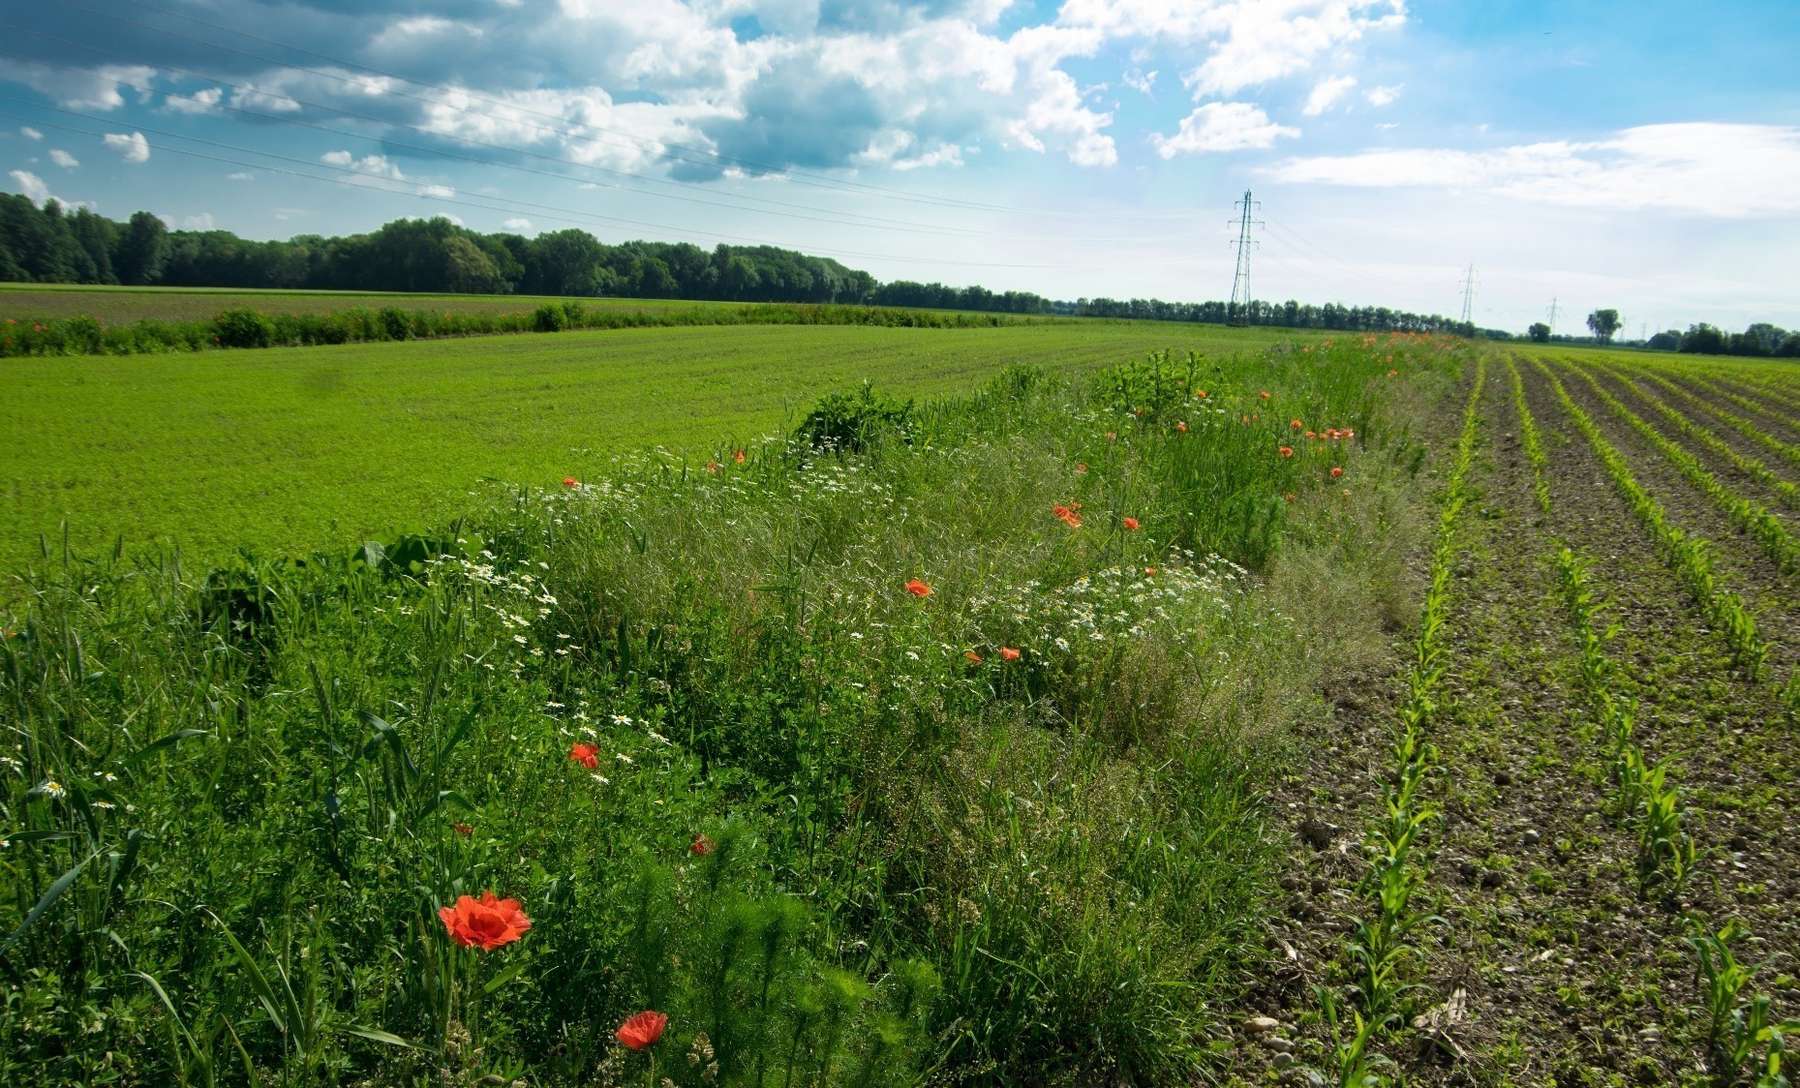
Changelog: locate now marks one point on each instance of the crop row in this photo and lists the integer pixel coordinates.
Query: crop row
(1749, 466)
(1532, 439)
(1380, 943)
(1787, 451)
(1750, 517)
(1683, 552)
(1738, 1022)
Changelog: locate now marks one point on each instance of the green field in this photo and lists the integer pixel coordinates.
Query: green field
(286, 450)
(120, 305)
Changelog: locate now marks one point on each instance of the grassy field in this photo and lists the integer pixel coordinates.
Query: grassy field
(118, 305)
(1342, 710)
(289, 449)
(921, 745)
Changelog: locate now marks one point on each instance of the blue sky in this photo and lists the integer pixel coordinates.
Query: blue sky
(1644, 156)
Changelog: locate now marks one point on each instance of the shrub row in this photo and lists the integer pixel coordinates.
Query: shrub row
(248, 328)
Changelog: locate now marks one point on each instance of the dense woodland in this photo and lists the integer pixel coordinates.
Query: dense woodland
(53, 244)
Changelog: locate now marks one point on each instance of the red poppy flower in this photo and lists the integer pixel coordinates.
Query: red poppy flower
(1287, 451)
(737, 458)
(1310, 434)
(1336, 471)
(485, 923)
(1007, 653)
(973, 657)
(1265, 394)
(1066, 515)
(712, 466)
(1131, 524)
(1200, 393)
(701, 846)
(585, 754)
(570, 481)
(642, 1030)
(1295, 424)
(462, 829)
(1347, 433)
(1181, 427)
(917, 588)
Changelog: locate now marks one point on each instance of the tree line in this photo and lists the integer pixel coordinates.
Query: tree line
(54, 244)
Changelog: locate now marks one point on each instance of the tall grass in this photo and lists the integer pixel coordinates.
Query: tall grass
(839, 831)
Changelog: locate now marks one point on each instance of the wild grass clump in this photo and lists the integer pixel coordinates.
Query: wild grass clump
(798, 765)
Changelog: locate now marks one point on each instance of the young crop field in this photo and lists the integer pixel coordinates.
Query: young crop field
(1141, 705)
(284, 451)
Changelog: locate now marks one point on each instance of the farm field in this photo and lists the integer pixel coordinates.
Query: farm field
(285, 450)
(1344, 710)
(119, 305)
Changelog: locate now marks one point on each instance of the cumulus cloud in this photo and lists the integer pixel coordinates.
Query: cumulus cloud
(241, 175)
(79, 88)
(518, 223)
(1382, 96)
(34, 187)
(30, 133)
(203, 221)
(1222, 126)
(205, 100)
(131, 148)
(442, 192)
(63, 159)
(38, 191)
(1325, 94)
(375, 166)
(1699, 168)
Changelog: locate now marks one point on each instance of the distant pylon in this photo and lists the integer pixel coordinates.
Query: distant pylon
(1552, 315)
(1238, 311)
(1468, 309)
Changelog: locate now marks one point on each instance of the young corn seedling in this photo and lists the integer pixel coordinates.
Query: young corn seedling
(1736, 1025)
(1666, 853)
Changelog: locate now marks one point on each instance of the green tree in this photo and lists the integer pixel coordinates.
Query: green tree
(1603, 324)
(1539, 332)
(143, 246)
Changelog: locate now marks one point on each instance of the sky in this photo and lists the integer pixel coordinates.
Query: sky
(1643, 156)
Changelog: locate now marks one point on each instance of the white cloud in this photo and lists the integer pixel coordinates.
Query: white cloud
(1140, 81)
(519, 224)
(1700, 168)
(84, 88)
(1222, 126)
(132, 148)
(205, 100)
(34, 187)
(241, 175)
(203, 221)
(63, 159)
(1325, 93)
(375, 166)
(30, 133)
(444, 192)
(1382, 96)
